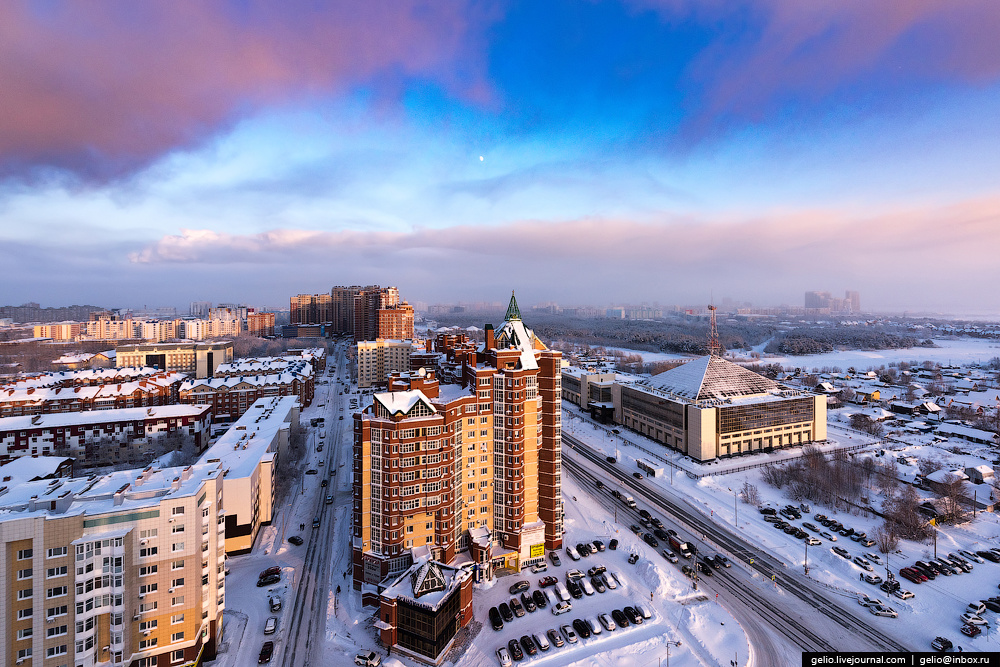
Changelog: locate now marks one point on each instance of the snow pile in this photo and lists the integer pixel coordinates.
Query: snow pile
(654, 578)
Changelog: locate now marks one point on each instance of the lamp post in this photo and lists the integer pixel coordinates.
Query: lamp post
(669, 644)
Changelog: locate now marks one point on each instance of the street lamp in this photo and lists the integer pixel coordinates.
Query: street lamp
(669, 644)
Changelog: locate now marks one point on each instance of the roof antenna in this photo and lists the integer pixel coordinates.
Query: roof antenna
(714, 348)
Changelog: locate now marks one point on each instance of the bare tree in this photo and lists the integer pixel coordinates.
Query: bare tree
(902, 516)
(750, 494)
(773, 475)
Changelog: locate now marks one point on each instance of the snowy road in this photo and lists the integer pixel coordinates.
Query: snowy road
(793, 606)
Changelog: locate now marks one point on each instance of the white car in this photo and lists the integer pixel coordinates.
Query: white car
(504, 657)
(875, 558)
(973, 619)
(976, 608)
(541, 642)
(562, 608)
(866, 601)
(827, 536)
(643, 611)
(540, 567)
(607, 622)
(368, 659)
(902, 595)
(595, 627)
(572, 553)
(609, 582)
(588, 588)
(971, 556)
(812, 541)
(882, 610)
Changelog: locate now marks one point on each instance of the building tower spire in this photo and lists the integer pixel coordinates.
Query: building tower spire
(513, 312)
(714, 348)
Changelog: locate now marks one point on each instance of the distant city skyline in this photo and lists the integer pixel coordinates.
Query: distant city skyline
(652, 151)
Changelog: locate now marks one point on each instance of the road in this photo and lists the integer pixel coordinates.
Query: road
(793, 606)
(307, 615)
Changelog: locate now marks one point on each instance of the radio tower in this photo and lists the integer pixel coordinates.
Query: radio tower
(714, 348)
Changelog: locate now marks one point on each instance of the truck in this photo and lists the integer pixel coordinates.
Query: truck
(629, 500)
(683, 548)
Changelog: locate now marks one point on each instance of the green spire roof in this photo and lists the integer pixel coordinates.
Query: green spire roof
(513, 312)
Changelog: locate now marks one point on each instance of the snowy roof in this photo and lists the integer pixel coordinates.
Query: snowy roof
(947, 476)
(62, 419)
(712, 377)
(250, 439)
(428, 578)
(401, 402)
(27, 468)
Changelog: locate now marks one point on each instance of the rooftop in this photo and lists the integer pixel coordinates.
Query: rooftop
(62, 419)
(712, 377)
(249, 440)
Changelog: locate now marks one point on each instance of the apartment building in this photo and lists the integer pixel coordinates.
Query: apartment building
(31, 398)
(123, 569)
(230, 397)
(396, 322)
(59, 330)
(200, 359)
(248, 454)
(101, 435)
(436, 464)
(378, 358)
(310, 309)
(367, 305)
(260, 324)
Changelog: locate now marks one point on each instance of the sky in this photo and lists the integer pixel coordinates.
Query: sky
(578, 151)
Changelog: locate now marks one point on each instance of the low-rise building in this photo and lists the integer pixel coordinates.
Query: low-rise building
(230, 397)
(199, 359)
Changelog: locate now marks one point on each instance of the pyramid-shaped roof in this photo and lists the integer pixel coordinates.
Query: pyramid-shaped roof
(427, 579)
(712, 377)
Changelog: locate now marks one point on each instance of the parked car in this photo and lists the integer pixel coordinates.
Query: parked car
(882, 610)
(503, 657)
(269, 580)
(866, 601)
(561, 608)
(265, 653)
(528, 644)
(613, 545)
(519, 586)
(941, 644)
(992, 605)
(971, 556)
(871, 578)
(811, 526)
(587, 587)
(976, 608)
(572, 553)
(505, 612)
(296, 540)
(582, 628)
(368, 659)
(889, 586)
(875, 558)
(556, 638)
(574, 589)
(906, 595)
(538, 568)
(842, 552)
(827, 536)
(515, 650)
(633, 615)
(528, 602)
(554, 557)
(989, 555)
(541, 642)
(269, 571)
(768, 511)
(633, 559)
(973, 619)
(863, 564)
(495, 619)
(569, 634)
(574, 574)
(540, 600)
(598, 583)
(270, 625)
(599, 545)
(545, 582)
(970, 630)
(609, 581)
(597, 569)
(643, 610)
(274, 603)
(619, 616)
(607, 622)
(516, 607)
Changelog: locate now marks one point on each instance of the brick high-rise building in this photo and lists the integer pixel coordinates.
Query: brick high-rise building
(260, 324)
(396, 322)
(343, 308)
(367, 304)
(311, 309)
(450, 468)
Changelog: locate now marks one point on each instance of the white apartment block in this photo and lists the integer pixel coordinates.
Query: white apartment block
(378, 358)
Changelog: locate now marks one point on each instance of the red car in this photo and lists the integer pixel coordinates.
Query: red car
(547, 581)
(912, 575)
(269, 571)
(970, 630)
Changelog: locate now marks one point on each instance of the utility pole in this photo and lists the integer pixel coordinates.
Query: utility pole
(805, 563)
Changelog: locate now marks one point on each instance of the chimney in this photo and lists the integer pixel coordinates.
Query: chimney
(491, 341)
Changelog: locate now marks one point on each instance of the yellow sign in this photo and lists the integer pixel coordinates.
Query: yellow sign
(537, 550)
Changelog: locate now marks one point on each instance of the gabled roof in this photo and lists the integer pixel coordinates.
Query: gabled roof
(427, 579)
(401, 402)
(712, 377)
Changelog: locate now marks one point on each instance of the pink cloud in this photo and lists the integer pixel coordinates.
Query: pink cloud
(108, 86)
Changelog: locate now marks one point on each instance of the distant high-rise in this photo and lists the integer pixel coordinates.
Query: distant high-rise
(200, 308)
(851, 303)
(367, 304)
(396, 322)
(343, 308)
(311, 309)
(818, 299)
(853, 298)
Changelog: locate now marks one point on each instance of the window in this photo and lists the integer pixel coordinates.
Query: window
(56, 592)
(56, 552)
(148, 625)
(24, 594)
(25, 633)
(177, 600)
(146, 662)
(57, 631)
(147, 570)
(152, 532)
(146, 552)
(177, 637)
(56, 611)
(177, 565)
(55, 650)
(177, 582)
(177, 546)
(24, 574)
(25, 554)
(56, 572)
(177, 510)
(25, 613)
(177, 529)
(177, 618)
(24, 653)
(147, 643)
(147, 588)
(177, 656)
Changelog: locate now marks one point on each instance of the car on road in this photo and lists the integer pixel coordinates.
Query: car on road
(669, 555)
(637, 475)
(503, 657)
(882, 610)
(866, 601)
(312, 472)
(270, 625)
(973, 619)
(495, 620)
(635, 529)
(539, 567)
(562, 608)
(569, 634)
(505, 612)
(329, 499)
(610, 459)
(266, 651)
(711, 562)
(519, 586)
(704, 569)
(661, 535)
(842, 552)
(515, 650)
(582, 628)
(316, 522)
(368, 659)
(324, 482)
(554, 557)
(556, 638)
(941, 644)
(650, 540)
(545, 582)
(871, 578)
(268, 580)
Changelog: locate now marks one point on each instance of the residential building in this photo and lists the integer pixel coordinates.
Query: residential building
(311, 309)
(367, 304)
(230, 397)
(248, 455)
(396, 322)
(59, 330)
(156, 388)
(260, 324)
(472, 467)
(378, 358)
(343, 308)
(199, 309)
(201, 359)
(101, 435)
(124, 569)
